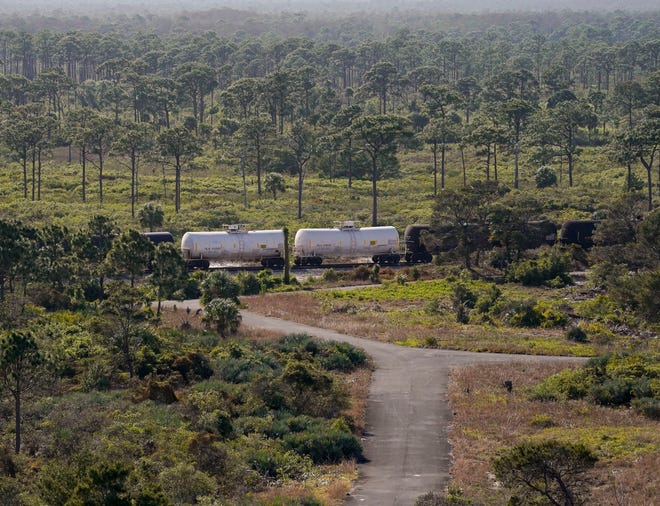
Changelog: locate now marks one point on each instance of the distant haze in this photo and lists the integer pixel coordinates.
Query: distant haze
(320, 7)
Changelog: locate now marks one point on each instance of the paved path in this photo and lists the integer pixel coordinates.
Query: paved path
(405, 440)
(408, 416)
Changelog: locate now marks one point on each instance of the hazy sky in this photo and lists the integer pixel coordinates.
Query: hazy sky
(89, 7)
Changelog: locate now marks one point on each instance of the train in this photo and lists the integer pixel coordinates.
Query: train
(236, 245)
(311, 246)
(346, 240)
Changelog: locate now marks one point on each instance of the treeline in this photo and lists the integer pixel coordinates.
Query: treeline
(271, 105)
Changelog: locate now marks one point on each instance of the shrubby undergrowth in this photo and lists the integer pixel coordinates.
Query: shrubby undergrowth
(611, 380)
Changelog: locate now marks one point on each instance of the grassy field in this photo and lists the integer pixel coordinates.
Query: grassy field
(212, 193)
(420, 314)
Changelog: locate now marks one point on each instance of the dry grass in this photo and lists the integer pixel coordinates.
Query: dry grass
(487, 418)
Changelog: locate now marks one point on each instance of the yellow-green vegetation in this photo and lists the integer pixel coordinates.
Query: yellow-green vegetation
(611, 444)
(502, 318)
(200, 418)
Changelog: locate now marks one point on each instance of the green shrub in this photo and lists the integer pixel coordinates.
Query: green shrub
(98, 376)
(524, 314)
(360, 273)
(576, 334)
(609, 380)
(342, 357)
(551, 317)
(648, 406)
(487, 298)
(551, 269)
(545, 177)
(463, 299)
(566, 384)
(542, 421)
(325, 446)
(330, 275)
(433, 306)
(219, 285)
(249, 283)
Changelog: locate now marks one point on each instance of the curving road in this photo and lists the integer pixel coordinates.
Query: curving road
(405, 441)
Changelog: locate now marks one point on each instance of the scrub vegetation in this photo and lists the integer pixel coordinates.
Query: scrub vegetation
(488, 127)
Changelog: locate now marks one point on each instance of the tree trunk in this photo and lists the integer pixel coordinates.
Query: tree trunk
(488, 162)
(17, 417)
(39, 174)
(258, 146)
(435, 168)
(25, 190)
(374, 192)
(177, 184)
(350, 163)
(442, 165)
(463, 165)
(101, 174)
(245, 201)
(83, 161)
(300, 190)
(34, 173)
(515, 167)
(133, 168)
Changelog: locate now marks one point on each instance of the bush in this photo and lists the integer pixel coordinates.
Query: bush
(327, 446)
(330, 275)
(249, 283)
(487, 298)
(549, 270)
(610, 380)
(342, 357)
(219, 285)
(463, 299)
(576, 334)
(545, 177)
(542, 421)
(566, 384)
(360, 273)
(524, 314)
(648, 406)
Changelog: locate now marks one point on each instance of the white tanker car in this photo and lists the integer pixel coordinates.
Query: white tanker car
(233, 245)
(312, 245)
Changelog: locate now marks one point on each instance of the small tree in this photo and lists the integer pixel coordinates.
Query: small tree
(550, 471)
(220, 285)
(130, 253)
(545, 177)
(463, 299)
(274, 182)
(151, 216)
(224, 314)
(124, 307)
(20, 369)
(182, 146)
(168, 271)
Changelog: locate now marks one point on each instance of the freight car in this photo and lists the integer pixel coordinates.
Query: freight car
(578, 232)
(346, 240)
(416, 251)
(236, 244)
(158, 237)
